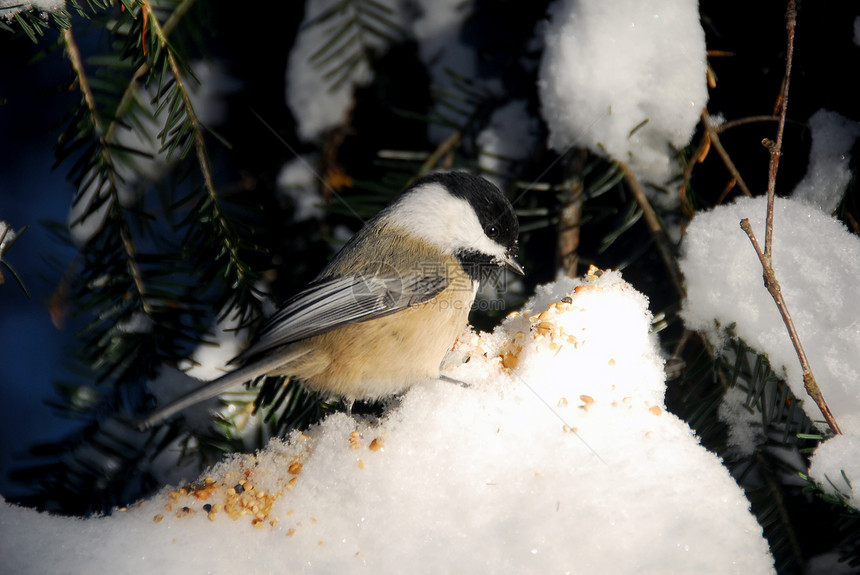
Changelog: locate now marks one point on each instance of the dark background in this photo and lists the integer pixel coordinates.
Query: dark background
(35, 91)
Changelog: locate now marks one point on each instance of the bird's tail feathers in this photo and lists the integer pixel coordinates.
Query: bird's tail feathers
(263, 365)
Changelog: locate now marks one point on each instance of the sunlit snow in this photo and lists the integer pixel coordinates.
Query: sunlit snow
(817, 262)
(625, 79)
(558, 457)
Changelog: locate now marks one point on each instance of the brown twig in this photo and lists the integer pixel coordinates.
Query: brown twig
(776, 147)
(775, 291)
(441, 151)
(571, 213)
(724, 155)
(711, 138)
(664, 244)
(766, 256)
(729, 124)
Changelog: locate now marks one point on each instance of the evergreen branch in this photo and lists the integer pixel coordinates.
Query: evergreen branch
(442, 150)
(33, 22)
(778, 515)
(129, 94)
(115, 212)
(347, 44)
(191, 122)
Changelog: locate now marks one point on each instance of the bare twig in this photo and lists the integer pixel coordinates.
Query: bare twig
(664, 244)
(776, 147)
(718, 146)
(441, 151)
(775, 291)
(720, 128)
(711, 138)
(766, 256)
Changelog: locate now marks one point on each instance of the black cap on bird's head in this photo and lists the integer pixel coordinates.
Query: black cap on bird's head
(494, 213)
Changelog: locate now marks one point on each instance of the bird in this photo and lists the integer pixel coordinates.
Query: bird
(381, 316)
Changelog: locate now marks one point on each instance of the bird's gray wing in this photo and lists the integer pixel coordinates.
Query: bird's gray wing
(330, 303)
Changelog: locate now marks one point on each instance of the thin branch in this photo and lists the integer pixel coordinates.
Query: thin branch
(130, 92)
(776, 147)
(697, 158)
(711, 138)
(766, 256)
(571, 213)
(720, 128)
(718, 146)
(442, 150)
(122, 108)
(775, 291)
(664, 244)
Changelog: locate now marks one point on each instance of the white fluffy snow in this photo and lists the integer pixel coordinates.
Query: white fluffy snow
(558, 458)
(817, 262)
(828, 173)
(317, 104)
(298, 183)
(625, 79)
(836, 467)
(8, 8)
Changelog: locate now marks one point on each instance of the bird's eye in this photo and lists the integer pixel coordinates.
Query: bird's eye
(491, 231)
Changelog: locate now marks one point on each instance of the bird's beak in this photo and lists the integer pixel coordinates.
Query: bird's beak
(510, 261)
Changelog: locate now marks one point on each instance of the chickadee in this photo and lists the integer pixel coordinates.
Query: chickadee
(382, 315)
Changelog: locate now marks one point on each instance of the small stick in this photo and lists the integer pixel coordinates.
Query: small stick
(776, 147)
(766, 256)
(775, 291)
(664, 244)
(724, 155)
(571, 213)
